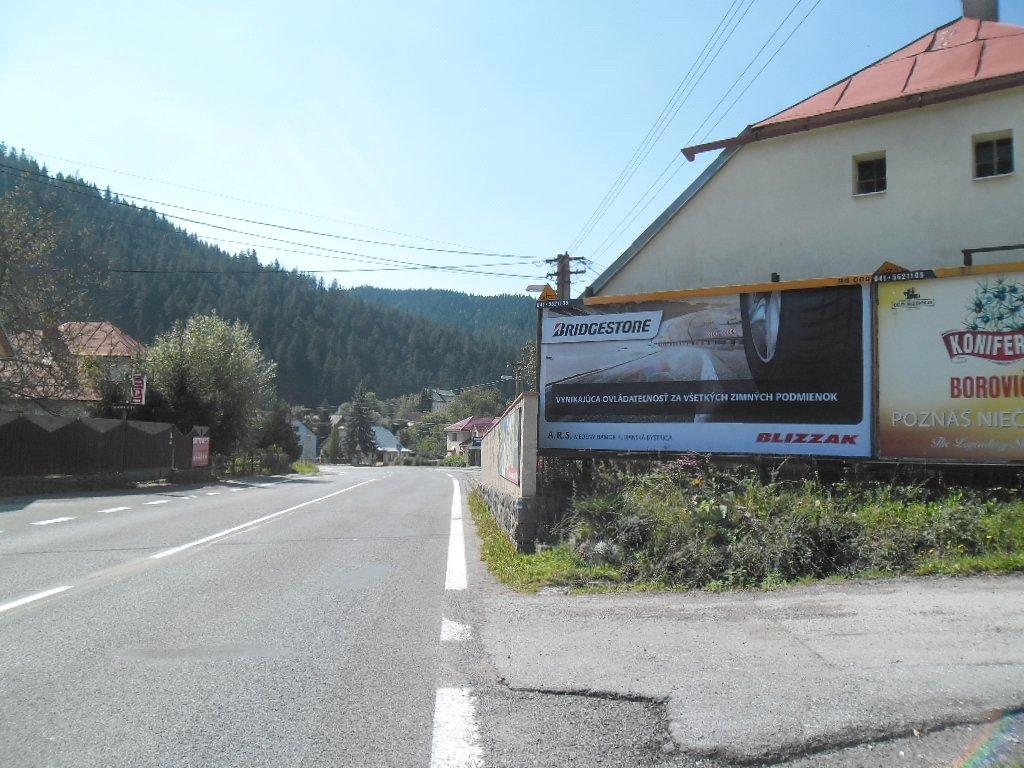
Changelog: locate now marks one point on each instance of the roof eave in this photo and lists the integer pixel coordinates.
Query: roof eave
(892, 106)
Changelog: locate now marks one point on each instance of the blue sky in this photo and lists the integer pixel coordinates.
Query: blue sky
(497, 126)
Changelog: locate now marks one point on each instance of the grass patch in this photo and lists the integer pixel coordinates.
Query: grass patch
(304, 467)
(557, 566)
(968, 564)
(690, 525)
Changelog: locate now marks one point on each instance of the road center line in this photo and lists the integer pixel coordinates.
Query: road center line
(211, 537)
(158, 501)
(213, 493)
(455, 575)
(112, 509)
(52, 520)
(456, 740)
(32, 598)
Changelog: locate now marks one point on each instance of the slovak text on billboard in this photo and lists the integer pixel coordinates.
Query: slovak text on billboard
(951, 369)
(779, 372)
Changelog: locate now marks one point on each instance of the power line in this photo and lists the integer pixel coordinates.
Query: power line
(297, 273)
(746, 69)
(668, 114)
(322, 251)
(626, 221)
(245, 200)
(624, 224)
(616, 186)
(762, 69)
(127, 195)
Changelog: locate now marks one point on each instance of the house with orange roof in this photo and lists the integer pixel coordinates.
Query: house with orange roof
(463, 437)
(34, 357)
(911, 160)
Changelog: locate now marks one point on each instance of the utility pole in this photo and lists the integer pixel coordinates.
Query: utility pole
(563, 273)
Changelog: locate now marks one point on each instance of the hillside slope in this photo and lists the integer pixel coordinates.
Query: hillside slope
(504, 318)
(325, 339)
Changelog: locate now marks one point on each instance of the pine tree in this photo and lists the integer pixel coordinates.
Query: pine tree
(359, 437)
(333, 448)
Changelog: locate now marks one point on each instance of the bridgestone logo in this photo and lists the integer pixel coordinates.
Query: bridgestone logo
(601, 328)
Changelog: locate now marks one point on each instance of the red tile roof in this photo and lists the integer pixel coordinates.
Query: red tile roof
(960, 53)
(100, 339)
(475, 424)
(963, 58)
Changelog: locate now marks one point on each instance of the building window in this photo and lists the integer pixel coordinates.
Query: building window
(870, 174)
(993, 156)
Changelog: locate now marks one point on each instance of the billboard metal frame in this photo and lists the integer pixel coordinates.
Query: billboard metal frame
(885, 273)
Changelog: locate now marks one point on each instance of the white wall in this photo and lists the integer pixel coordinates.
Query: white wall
(786, 205)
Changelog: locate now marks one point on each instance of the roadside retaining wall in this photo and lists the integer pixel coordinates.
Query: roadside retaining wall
(508, 478)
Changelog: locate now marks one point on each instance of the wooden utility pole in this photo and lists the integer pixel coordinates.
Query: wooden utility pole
(563, 273)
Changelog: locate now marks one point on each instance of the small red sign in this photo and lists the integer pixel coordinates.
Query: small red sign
(200, 451)
(138, 396)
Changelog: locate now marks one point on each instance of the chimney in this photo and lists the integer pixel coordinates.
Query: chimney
(984, 10)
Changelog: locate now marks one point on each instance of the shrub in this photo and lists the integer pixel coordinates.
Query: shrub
(454, 460)
(688, 523)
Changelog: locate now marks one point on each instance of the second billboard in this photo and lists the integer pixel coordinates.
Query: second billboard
(780, 372)
(951, 369)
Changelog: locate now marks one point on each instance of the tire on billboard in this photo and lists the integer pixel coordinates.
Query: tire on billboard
(779, 372)
(951, 368)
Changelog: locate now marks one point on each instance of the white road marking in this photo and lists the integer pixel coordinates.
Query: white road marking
(236, 490)
(455, 575)
(52, 520)
(113, 509)
(211, 537)
(213, 493)
(454, 632)
(191, 496)
(158, 501)
(32, 598)
(456, 740)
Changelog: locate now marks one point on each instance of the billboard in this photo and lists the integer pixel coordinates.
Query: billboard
(951, 368)
(509, 433)
(778, 372)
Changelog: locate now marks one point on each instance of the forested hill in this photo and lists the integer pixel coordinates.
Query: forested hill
(507, 318)
(325, 339)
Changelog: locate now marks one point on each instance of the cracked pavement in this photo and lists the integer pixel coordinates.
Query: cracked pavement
(751, 678)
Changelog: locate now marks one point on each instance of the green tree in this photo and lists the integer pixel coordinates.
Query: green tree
(476, 401)
(222, 366)
(525, 367)
(35, 297)
(276, 431)
(359, 437)
(333, 451)
(426, 436)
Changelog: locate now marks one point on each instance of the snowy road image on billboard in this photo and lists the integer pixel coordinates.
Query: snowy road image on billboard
(775, 372)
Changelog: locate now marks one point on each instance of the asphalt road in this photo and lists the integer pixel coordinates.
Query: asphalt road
(346, 620)
(309, 638)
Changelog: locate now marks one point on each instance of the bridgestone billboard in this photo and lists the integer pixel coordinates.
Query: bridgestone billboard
(951, 368)
(780, 372)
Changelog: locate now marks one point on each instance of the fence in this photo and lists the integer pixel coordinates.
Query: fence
(61, 445)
